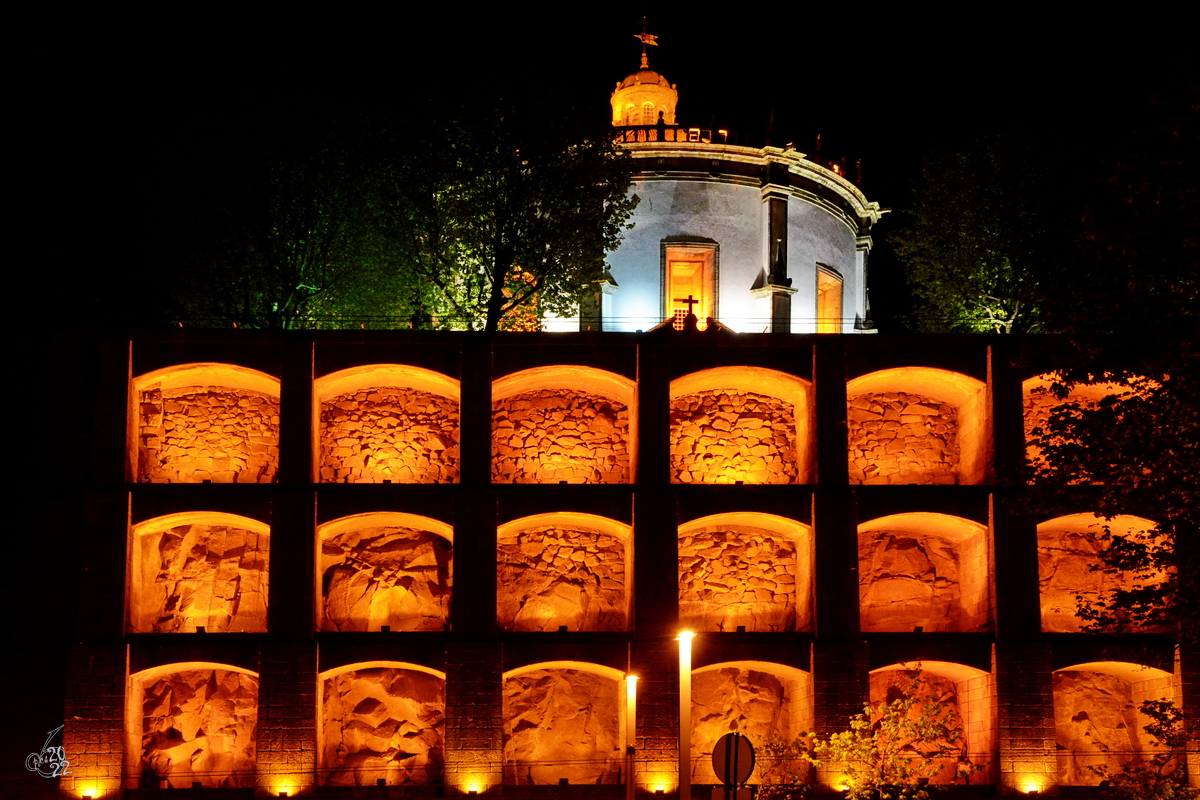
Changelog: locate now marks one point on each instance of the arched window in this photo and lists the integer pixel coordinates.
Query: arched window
(648, 115)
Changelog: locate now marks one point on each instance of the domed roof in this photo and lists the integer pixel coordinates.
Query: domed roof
(642, 97)
(643, 76)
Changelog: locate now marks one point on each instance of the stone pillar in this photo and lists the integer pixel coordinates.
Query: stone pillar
(653, 416)
(286, 739)
(655, 565)
(1015, 591)
(102, 579)
(474, 754)
(656, 665)
(1187, 673)
(831, 443)
(1025, 717)
(473, 601)
(778, 288)
(292, 567)
(296, 434)
(475, 415)
(94, 731)
(1006, 419)
(841, 687)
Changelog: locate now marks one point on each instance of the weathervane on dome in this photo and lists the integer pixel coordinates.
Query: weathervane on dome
(646, 39)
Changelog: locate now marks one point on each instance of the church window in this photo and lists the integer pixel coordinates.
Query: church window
(829, 300)
(631, 114)
(689, 280)
(648, 115)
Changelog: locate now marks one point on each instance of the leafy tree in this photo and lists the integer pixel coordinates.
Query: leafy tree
(1162, 776)
(978, 242)
(502, 207)
(891, 750)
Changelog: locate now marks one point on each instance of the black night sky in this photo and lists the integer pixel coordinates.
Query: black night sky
(886, 87)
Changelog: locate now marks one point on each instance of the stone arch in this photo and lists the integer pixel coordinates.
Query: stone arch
(745, 569)
(381, 720)
(758, 698)
(1068, 549)
(192, 721)
(923, 570)
(1039, 402)
(918, 425)
(564, 569)
(204, 422)
(1098, 718)
(386, 423)
(384, 569)
(563, 720)
(564, 424)
(198, 570)
(970, 692)
(740, 425)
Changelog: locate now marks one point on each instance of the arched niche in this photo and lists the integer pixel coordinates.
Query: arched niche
(1039, 402)
(741, 424)
(192, 722)
(198, 569)
(386, 423)
(1069, 550)
(1098, 718)
(204, 422)
(382, 720)
(384, 569)
(745, 569)
(969, 692)
(563, 720)
(564, 424)
(757, 698)
(923, 570)
(564, 569)
(918, 425)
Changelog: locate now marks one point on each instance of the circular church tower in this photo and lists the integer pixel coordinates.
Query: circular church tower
(759, 239)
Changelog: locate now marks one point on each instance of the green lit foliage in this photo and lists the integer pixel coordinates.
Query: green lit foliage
(499, 209)
(890, 750)
(975, 242)
(1162, 776)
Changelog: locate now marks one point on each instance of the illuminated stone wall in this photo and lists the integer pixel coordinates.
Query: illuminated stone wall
(885, 688)
(199, 725)
(382, 723)
(909, 579)
(900, 438)
(725, 436)
(737, 575)
(213, 576)
(755, 702)
(389, 434)
(1097, 724)
(548, 577)
(551, 436)
(385, 575)
(207, 433)
(561, 723)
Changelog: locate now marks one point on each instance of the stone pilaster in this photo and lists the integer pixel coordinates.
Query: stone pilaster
(1025, 717)
(656, 762)
(296, 428)
(474, 753)
(841, 687)
(94, 731)
(286, 740)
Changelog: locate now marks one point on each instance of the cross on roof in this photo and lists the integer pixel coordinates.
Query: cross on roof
(691, 301)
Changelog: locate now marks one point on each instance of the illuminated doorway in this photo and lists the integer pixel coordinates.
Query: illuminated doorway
(829, 300)
(689, 281)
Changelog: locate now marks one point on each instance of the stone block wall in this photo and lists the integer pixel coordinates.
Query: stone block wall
(199, 725)
(911, 579)
(977, 704)
(389, 434)
(562, 723)
(899, 438)
(657, 667)
(738, 575)
(287, 718)
(553, 436)
(1025, 716)
(382, 723)
(1037, 407)
(213, 576)
(195, 434)
(732, 699)
(94, 718)
(474, 753)
(726, 436)
(1098, 725)
(549, 577)
(385, 575)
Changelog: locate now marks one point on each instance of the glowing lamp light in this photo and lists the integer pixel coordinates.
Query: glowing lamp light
(1031, 788)
(91, 793)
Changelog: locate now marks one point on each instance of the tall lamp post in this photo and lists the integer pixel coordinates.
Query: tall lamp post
(685, 715)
